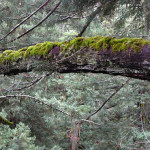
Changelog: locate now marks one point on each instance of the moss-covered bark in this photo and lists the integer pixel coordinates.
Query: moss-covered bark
(126, 56)
(5, 121)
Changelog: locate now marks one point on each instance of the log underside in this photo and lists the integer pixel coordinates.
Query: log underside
(82, 55)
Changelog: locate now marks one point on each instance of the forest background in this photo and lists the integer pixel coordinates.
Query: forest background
(42, 107)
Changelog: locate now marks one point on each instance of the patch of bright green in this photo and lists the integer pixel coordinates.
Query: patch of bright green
(27, 52)
(124, 44)
(5, 121)
(97, 43)
(72, 45)
(39, 49)
(7, 52)
(1, 58)
(46, 47)
(23, 49)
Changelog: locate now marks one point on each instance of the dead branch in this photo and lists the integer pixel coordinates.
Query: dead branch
(29, 16)
(107, 100)
(36, 100)
(36, 24)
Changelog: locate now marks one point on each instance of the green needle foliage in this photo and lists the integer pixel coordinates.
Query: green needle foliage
(79, 95)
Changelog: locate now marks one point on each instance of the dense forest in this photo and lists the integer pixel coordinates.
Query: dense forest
(74, 74)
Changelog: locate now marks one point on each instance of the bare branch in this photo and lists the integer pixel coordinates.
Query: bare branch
(89, 121)
(102, 8)
(68, 17)
(31, 83)
(37, 24)
(107, 100)
(29, 16)
(36, 100)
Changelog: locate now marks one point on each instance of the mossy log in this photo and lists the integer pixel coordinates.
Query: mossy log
(127, 57)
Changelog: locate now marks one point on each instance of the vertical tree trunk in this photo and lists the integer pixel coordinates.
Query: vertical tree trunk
(75, 136)
(147, 16)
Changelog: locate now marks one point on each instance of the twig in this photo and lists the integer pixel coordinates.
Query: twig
(31, 83)
(107, 100)
(89, 121)
(68, 17)
(36, 100)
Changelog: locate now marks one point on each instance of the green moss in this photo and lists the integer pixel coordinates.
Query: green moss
(136, 48)
(76, 43)
(117, 47)
(103, 43)
(14, 56)
(97, 43)
(7, 52)
(39, 49)
(27, 52)
(46, 47)
(22, 49)
(1, 58)
(124, 44)
(5, 121)
(35, 50)
(73, 44)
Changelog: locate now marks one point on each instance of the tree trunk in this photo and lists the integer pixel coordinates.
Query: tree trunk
(126, 57)
(147, 16)
(75, 136)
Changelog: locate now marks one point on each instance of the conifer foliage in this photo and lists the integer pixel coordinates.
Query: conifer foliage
(46, 110)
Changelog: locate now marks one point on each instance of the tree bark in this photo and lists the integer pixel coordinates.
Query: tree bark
(75, 136)
(95, 54)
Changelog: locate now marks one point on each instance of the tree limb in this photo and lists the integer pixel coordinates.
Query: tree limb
(36, 24)
(127, 57)
(36, 100)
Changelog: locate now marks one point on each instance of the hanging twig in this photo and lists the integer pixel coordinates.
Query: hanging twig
(36, 24)
(29, 16)
(36, 100)
(91, 122)
(107, 100)
(37, 80)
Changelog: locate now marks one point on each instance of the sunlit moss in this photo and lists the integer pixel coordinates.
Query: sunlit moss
(46, 47)
(7, 52)
(72, 45)
(5, 121)
(27, 52)
(96, 43)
